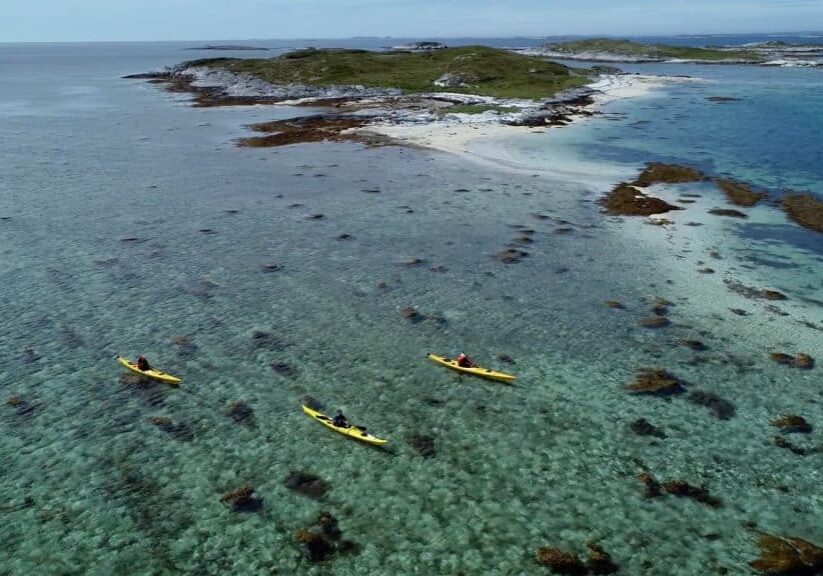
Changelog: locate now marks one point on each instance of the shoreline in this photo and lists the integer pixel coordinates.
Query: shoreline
(462, 135)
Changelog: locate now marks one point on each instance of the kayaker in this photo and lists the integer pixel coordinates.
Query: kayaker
(340, 420)
(143, 364)
(464, 361)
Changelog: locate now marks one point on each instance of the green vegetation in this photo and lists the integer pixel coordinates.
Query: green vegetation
(662, 51)
(483, 71)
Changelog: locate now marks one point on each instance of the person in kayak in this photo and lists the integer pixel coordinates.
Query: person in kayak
(340, 420)
(143, 364)
(464, 361)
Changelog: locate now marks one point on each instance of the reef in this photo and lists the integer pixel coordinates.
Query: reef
(791, 423)
(753, 293)
(739, 193)
(652, 485)
(283, 369)
(784, 443)
(321, 128)
(730, 212)
(511, 255)
(722, 409)
(660, 173)
(178, 430)
(271, 267)
(695, 345)
(643, 427)
(423, 444)
(267, 341)
(411, 314)
(802, 360)
(787, 556)
(185, 347)
(600, 561)
(560, 561)
(22, 407)
(804, 209)
(306, 484)
(626, 200)
(655, 381)
(696, 493)
(240, 412)
(243, 500)
(323, 539)
(654, 322)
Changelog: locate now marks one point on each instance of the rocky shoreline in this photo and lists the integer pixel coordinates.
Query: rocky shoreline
(356, 108)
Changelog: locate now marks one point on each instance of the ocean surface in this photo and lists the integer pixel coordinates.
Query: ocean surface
(131, 224)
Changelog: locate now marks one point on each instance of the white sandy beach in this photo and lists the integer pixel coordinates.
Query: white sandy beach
(459, 133)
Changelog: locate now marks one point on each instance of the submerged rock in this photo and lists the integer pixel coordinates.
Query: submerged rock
(306, 484)
(697, 493)
(654, 322)
(695, 345)
(423, 444)
(283, 368)
(267, 341)
(739, 193)
(600, 561)
(511, 255)
(22, 407)
(782, 442)
(722, 409)
(323, 539)
(239, 411)
(655, 381)
(791, 423)
(802, 360)
(560, 561)
(411, 313)
(243, 500)
(727, 212)
(787, 557)
(652, 485)
(626, 200)
(804, 209)
(643, 427)
(614, 304)
(659, 173)
(178, 430)
(185, 347)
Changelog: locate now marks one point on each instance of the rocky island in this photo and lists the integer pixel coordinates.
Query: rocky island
(615, 50)
(365, 88)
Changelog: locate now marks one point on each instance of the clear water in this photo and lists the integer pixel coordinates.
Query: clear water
(107, 185)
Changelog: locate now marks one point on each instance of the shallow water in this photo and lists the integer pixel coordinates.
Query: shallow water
(123, 238)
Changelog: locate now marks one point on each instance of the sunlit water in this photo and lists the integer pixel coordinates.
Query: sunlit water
(135, 226)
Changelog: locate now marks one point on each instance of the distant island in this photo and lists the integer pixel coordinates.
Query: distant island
(420, 46)
(226, 47)
(615, 50)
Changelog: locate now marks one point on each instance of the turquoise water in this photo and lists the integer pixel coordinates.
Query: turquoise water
(108, 186)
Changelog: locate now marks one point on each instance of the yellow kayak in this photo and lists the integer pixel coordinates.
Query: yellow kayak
(150, 373)
(476, 371)
(355, 432)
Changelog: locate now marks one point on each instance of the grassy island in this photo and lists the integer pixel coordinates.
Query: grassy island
(468, 69)
(637, 50)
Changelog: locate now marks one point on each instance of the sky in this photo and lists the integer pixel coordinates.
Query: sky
(128, 20)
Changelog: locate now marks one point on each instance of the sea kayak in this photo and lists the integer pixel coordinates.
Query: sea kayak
(150, 373)
(355, 432)
(475, 371)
